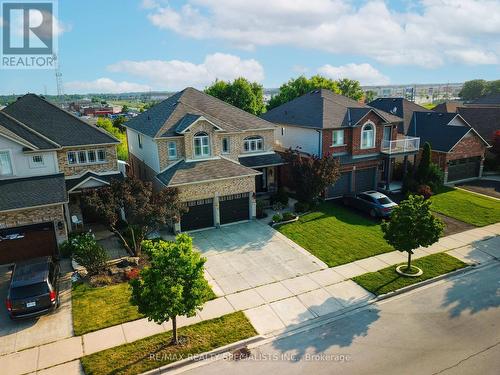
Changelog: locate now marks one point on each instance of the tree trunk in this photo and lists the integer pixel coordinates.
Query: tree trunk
(125, 244)
(174, 331)
(408, 268)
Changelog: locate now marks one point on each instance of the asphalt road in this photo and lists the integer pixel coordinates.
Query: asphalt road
(450, 327)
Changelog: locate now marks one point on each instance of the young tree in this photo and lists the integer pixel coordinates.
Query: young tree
(145, 211)
(350, 88)
(428, 173)
(311, 174)
(248, 96)
(173, 285)
(412, 225)
(425, 162)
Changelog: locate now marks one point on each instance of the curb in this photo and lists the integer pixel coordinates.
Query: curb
(204, 356)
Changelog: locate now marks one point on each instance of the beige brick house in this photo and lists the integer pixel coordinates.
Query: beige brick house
(48, 157)
(218, 156)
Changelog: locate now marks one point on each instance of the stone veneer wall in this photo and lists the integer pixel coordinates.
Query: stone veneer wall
(34, 216)
(221, 188)
(110, 165)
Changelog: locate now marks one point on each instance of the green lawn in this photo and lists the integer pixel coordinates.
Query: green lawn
(98, 308)
(467, 207)
(337, 235)
(387, 280)
(155, 351)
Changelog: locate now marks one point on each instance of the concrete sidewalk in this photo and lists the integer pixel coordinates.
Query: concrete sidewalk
(270, 307)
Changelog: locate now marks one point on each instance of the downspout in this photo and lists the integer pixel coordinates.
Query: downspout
(320, 145)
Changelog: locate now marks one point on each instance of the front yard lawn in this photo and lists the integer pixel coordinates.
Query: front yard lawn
(155, 351)
(96, 308)
(467, 207)
(387, 280)
(337, 235)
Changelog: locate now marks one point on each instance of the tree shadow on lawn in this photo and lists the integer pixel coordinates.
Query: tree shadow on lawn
(341, 332)
(475, 292)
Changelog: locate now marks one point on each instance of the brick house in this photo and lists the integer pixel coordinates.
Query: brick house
(364, 139)
(457, 148)
(218, 156)
(48, 158)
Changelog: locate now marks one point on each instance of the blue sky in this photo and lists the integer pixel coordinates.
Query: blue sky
(137, 45)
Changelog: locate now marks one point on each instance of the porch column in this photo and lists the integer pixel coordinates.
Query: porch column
(217, 211)
(253, 205)
(67, 216)
(414, 164)
(405, 166)
(177, 227)
(481, 166)
(388, 174)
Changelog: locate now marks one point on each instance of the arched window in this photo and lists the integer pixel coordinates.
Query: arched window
(201, 145)
(368, 136)
(253, 144)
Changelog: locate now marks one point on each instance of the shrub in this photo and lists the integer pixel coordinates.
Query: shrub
(89, 254)
(435, 177)
(260, 204)
(278, 206)
(288, 216)
(75, 242)
(281, 196)
(301, 206)
(425, 191)
(277, 218)
(132, 274)
(100, 280)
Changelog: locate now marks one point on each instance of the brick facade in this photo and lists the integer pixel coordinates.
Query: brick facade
(110, 165)
(30, 216)
(220, 188)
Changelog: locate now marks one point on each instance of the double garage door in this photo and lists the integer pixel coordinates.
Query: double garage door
(462, 169)
(364, 179)
(27, 242)
(201, 213)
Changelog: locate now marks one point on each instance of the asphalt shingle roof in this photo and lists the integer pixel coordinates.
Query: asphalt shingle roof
(28, 192)
(400, 107)
(433, 127)
(492, 99)
(55, 123)
(23, 133)
(484, 120)
(322, 109)
(257, 161)
(204, 170)
(72, 182)
(168, 117)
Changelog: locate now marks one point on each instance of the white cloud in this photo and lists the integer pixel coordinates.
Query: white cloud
(177, 74)
(364, 73)
(424, 35)
(104, 85)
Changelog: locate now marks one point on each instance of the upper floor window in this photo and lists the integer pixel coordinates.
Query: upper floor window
(172, 150)
(139, 140)
(253, 144)
(86, 157)
(225, 145)
(5, 164)
(201, 144)
(36, 161)
(368, 136)
(338, 138)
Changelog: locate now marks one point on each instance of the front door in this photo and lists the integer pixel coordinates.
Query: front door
(261, 181)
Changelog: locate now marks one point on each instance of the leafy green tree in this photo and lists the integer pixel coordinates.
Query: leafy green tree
(125, 108)
(425, 162)
(473, 89)
(144, 210)
(493, 87)
(122, 148)
(370, 96)
(311, 174)
(248, 96)
(429, 173)
(412, 225)
(173, 285)
(350, 88)
(299, 86)
(118, 123)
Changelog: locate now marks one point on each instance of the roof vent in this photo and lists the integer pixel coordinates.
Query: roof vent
(394, 110)
(440, 114)
(429, 113)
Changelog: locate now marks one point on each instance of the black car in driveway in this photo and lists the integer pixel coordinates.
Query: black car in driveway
(33, 288)
(372, 202)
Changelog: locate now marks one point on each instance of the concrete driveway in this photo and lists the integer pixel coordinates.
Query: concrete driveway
(19, 335)
(278, 284)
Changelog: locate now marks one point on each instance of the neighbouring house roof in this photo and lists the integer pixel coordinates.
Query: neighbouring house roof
(323, 109)
(258, 161)
(184, 173)
(176, 113)
(23, 134)
(21, 193)
(433, 127)
(448, 106)
(400, 107)
(73, 183)
(485, 120)
(56, 124)
(492, 99)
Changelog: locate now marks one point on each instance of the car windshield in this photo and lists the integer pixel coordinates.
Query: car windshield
(29, 290)
(384, 200)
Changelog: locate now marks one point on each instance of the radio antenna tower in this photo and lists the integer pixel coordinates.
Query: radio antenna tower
(59, 83)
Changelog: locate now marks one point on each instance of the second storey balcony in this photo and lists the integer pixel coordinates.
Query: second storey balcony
(400, 146)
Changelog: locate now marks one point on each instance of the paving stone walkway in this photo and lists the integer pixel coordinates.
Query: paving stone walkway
(270, 307)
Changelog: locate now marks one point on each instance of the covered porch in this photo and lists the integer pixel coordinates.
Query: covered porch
(266, 183)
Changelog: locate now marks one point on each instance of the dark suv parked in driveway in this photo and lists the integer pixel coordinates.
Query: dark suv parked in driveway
(33, 288)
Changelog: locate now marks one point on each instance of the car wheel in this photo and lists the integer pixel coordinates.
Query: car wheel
(373, 213)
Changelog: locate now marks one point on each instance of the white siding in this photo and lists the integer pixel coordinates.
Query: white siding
(291, 136)
(149, 151)
(21, 160)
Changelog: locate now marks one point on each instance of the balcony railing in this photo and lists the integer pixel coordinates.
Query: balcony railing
(398, 146)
